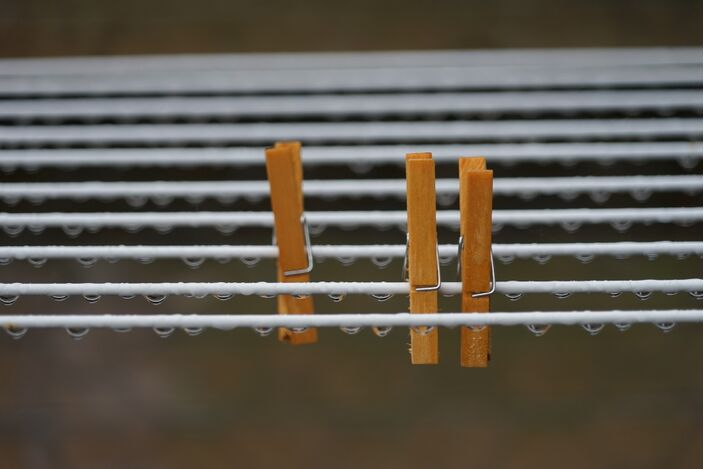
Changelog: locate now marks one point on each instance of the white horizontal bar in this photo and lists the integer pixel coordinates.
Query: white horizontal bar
(286, 61)
(230, 321)
(353, 131)
(365, 155)
(345, 288)
(344, 251)
(349, 218)
(325, 80)
(341, 187)
(351, 105)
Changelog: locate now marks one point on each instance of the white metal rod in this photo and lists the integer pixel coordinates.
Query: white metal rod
(320, 80)
(347, 218)
(352, 187)
(352, 105)
(167, 64)
(356, 155)
(532, 130)
(345, 251)
(343, 288)
(230, 321)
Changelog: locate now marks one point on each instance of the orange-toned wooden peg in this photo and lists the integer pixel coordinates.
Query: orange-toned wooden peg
(476, 191)
(422, 261)
(285, 174)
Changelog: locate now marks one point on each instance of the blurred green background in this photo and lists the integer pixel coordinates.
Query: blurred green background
(232, 399)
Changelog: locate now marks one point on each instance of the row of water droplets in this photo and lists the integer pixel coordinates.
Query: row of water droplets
(538, 330)
(157, 299)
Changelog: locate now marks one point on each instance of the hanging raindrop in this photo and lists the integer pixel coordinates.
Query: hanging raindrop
(126, 297)
(263, 331)
(36, 229)
(8, 300)
(496, 227)
(382, 262)
(226, 229)
(36, 262)
(316, 230)
(513, 296)
(585, 258)
(16, 332)
(641, 195)
(155, 299)
(336, 297)
(643, 295)
(593, 329)
(350, 330)
(91, 298)
(136, 201)
(6, 261)
(506, 259)
(298, 330)
(164, 332)
(223, 296)
(193, 331)
(145, 260)
(599, 197)
(665, 327)
(562, 295)
(59, 297)
(538, 330)
(446, 260)
(477, 327)
(446, 199)
(77, 333)
(346, 261)
(380, 331)
(12, 230)
(87, 261)
(423, 330)
(122, 330)
(250, 261)
(623, 326)
(621, 225)
(382, 297)
(571, 226)
(72, 231)
(615, 294)
(696, 294)
(542, 259)
(193, 262)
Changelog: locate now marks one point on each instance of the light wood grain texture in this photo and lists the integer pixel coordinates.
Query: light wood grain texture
(422, 251)
(476, 190)
(285, 174)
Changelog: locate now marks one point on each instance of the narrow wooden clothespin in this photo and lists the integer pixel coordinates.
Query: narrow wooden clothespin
(285, 174)
(422, 263)
(474, 256)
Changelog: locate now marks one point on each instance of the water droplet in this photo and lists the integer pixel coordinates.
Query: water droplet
(250, 261)
(193, 331)
(665, 326)
(36, 261)
(361, 167)
(641, 195)
(623, 326)
(382, 262)
(423, 330)
(91, 298)
(223, 296)
(72, 231)
(16, 332)
(127, 297)
(263, 331)
(651, 256)
(145, 260)
(513, 296)
(316, 230)
(155, 299)
(77, 333)
(381, 331)
(223, 260)
(497, 227)
(12, 230)
(643, 295)
(542, 259)
(615, 294)
(562, 295)
(122, 330)
(336, 297)
(446, 260)
(164, 332)
(538, 330)
(477, 327)
(382, 297)
(300, 297)
(6, 261)
(266, 296)
(226, 229)
(621, 225)
(162, 200)
(87, 261)
(571, 226)
(59, 297)
(593, 329)
(446, 199)
(696, 294)
(136, 201)
(36, 229)
(346, 261)
(567, 196)
(506, 259)
(585, 258)
(8, 300)
(599, 197)
(350, 330)
(298, 330)
(193, 262)
(680, 256)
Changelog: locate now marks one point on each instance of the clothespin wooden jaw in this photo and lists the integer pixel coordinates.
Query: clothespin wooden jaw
(422, 263)
(474, 256)
(295, 261)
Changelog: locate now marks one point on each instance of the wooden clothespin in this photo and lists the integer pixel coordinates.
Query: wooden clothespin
(285, 174)
(422, 263)
(474, 256)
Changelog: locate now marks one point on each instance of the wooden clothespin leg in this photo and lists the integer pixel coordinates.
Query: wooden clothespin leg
(476, 191)
(422, 255)
(285, 174)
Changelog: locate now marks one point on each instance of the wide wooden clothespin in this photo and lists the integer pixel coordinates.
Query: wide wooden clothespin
(422, 263)
(474, 256)
(285, 174)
